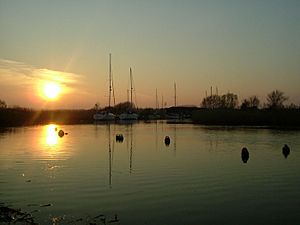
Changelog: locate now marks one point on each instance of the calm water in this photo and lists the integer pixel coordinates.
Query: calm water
(198, 179)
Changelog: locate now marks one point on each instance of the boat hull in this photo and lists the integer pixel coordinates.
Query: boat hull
(104, 116)
(128, 116)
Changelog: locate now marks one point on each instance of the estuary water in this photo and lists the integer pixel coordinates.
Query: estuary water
(199, 178)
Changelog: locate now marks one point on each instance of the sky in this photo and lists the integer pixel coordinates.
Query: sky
(245, 47)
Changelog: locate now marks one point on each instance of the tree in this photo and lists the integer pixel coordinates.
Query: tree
(96, 106)
(250, 103)
(275, 99)
(211, 102)
(123, 107)
(2, 104)
(229, 101)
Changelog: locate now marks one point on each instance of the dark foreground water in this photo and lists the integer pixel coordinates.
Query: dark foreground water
(199, 178)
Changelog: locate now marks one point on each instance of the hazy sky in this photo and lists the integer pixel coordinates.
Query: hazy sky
(245, 47)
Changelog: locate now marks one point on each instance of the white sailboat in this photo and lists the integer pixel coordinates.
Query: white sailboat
(105, 115)
(129, 115)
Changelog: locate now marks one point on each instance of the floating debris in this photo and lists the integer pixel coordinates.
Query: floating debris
(245, 155)
(46, 205)
(167, 140)
(114, 220)
(286, 150)
(16, 216)
(10, 215)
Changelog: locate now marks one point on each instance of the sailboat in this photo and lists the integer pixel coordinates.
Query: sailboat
(129, 115)
(106, 115)
(172, 117)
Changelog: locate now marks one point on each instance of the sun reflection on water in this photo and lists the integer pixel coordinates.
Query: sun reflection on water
(51, 135)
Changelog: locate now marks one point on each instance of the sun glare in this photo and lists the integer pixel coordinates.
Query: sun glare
(51, 135)
(51, 90)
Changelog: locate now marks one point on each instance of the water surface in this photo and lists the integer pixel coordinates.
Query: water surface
(199, 178)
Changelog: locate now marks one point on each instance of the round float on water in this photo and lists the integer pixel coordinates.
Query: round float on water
(167, 140)
(245, 155)
(285, 150)
(119, 138)
(61, 133)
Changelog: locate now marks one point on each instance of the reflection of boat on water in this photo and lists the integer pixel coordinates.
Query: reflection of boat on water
(111, 148)
(129, 134)
(107, 116)
(110, 155)
(129, 115)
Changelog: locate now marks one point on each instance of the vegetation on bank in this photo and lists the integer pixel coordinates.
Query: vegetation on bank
(214, 110)
(224, 110)
(25, 117)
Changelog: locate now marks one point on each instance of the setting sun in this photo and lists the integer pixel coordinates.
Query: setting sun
(51, 90)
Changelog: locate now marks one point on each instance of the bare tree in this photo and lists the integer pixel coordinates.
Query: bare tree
(275, 99)
(3, 104)
(229, 101)
(250, 103)
(212, 102)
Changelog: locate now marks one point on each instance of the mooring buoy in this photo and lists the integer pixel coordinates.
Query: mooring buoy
(61, 133)
(167, 140)
(119, 138)
(245, 155)
(285, 150)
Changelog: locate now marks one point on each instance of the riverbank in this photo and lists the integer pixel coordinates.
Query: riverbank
(27, 117)
(224, 117)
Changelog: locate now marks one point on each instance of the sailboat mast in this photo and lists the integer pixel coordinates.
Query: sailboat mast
(131, 89)
(175, 96)
(110, 88)
(156, 100)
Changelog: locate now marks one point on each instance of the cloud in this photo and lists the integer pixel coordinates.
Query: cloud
(19, 73)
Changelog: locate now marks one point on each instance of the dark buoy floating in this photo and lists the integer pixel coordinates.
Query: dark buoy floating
(61, 133)
(285, 150)
(245, 155)
(119, 138)
(167, 140)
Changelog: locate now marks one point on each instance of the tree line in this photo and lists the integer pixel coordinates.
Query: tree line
(274, 100)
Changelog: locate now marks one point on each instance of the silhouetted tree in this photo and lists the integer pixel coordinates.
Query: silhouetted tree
(96, 107)
(250, 103)
(212, 102)
(229, 101)
(3, 104)
(123, 107)
(275, 99)
(293, 106)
